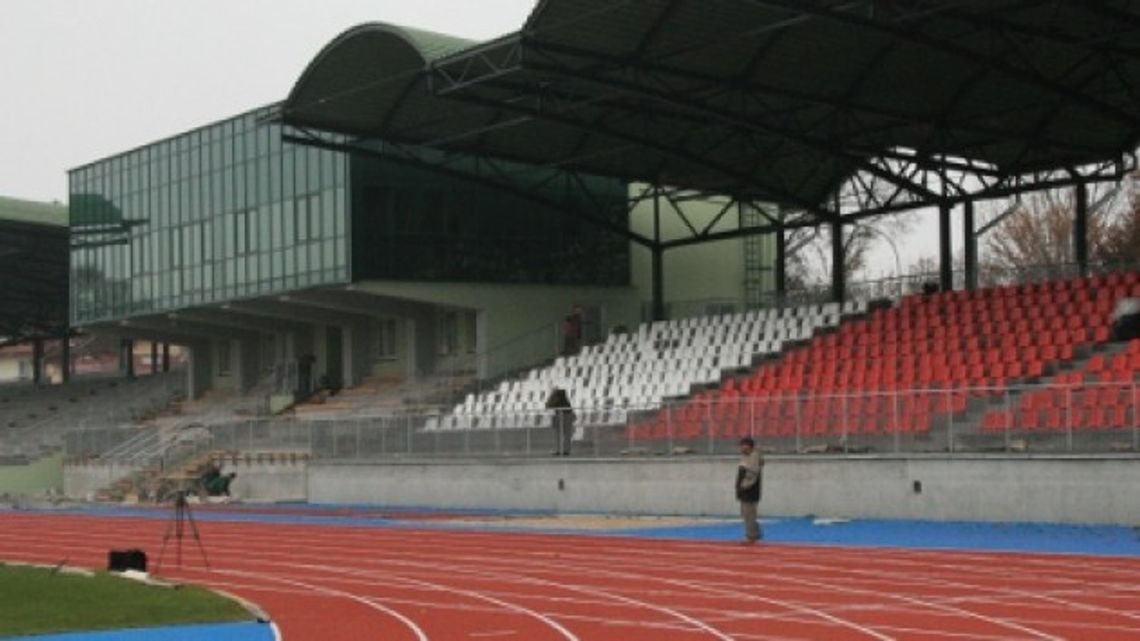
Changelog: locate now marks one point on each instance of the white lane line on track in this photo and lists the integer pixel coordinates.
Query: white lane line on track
(794, 606)
(593, 591)
(411, 625)
(832, 587)
(451, 568)
(696, 623)
(1009, 592)
(674, 565)
(997, 594)
(435, 587)
(786, 604)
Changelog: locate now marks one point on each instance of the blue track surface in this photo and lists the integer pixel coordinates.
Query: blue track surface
(990, 537)
(1099, 540)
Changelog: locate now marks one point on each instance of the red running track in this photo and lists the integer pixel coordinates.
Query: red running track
(341, 583)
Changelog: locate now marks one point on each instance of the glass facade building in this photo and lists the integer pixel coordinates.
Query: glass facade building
(230, 211)
(222, 212)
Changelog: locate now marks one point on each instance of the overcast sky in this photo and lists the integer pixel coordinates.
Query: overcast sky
(84, 79)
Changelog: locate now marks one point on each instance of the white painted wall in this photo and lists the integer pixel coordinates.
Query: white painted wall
(511, 311)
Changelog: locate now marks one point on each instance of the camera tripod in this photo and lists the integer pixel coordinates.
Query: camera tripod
(176, 529)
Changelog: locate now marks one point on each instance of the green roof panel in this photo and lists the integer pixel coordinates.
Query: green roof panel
(26, 211)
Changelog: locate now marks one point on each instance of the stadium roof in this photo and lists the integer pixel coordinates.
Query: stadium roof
(33, 270)
(781, 100)
(26, 211)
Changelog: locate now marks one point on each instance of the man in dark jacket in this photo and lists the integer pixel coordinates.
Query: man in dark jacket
(562, 421)
(748, 487)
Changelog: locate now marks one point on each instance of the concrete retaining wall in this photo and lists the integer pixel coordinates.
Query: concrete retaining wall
(280, 478)
(36, 477)
(1061, 489)
(260, 477)
(82, 480)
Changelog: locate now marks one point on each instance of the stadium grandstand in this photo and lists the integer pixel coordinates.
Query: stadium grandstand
(403, 257)
(33, 269)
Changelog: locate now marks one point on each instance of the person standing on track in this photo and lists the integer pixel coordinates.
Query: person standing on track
(748, 488)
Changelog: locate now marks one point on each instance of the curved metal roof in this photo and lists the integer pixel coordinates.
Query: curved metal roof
(774, 99)
(366, 78)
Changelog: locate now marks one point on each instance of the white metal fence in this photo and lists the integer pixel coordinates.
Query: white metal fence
(1089, 418)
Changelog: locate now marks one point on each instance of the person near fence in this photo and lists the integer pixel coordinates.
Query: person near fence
(1126, 319)
(562, 422)
(214, 483)
(572, 332)
(748, 488)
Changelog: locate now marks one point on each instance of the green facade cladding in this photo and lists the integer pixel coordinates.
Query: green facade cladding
(230, 211)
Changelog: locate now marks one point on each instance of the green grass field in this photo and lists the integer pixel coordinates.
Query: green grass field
(37, 601)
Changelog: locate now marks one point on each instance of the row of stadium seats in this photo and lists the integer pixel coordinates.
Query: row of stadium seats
(35, 419)
(636, 371)
(901, 369)
(1100, 396)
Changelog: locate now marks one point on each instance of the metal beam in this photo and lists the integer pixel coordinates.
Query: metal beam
(734, 121)
(419, 163)
(954, 50)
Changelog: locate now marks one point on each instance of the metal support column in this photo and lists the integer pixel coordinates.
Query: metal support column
(658, 285)
(838, 265)
(970, 245)
(166, 357)
(781, 284)
(658, 253)
(154, 357)
(1081, 230)
(945, 249)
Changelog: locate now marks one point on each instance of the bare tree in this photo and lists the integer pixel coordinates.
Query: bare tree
(1039, 231)
(808, 252)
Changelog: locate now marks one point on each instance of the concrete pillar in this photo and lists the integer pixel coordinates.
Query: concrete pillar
(127, 357)
(424, 338)
(481, 344)
(65, 357)
(37, 361)
(199, 368)
(411, 360)
(355, 356)
(246, 368)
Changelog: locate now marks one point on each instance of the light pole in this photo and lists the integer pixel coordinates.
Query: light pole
(894, 249)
